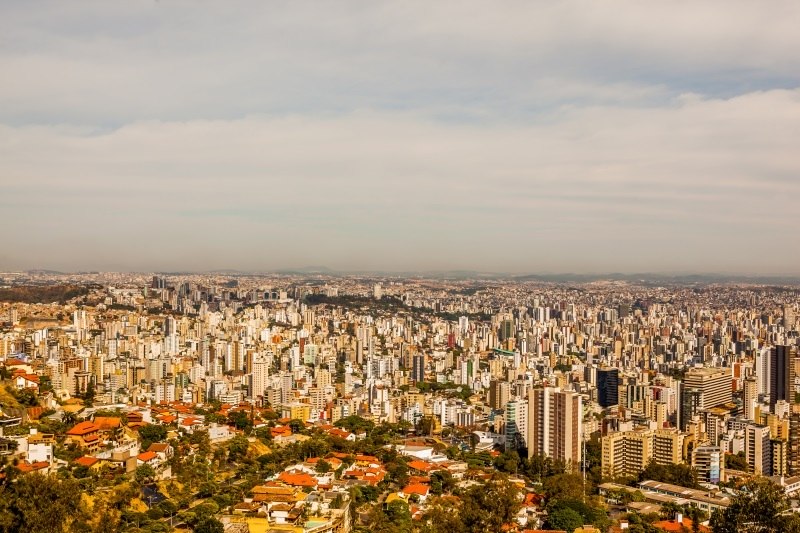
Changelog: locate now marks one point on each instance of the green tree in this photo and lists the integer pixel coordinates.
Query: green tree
(145, 473)
(441, 482)
(563, 487)
(589, 514)
(323, 466)
(398, 513)
(35, 503)
(209, 525)
(206, 489)
(237, 448)
(669, 510)
(758, 508)
(297, 426)
(489, 506)
(677, 474)
(240, 420)
(151, 433)
(565, 519)
(88, 396)
(736, 462)
(355, 424)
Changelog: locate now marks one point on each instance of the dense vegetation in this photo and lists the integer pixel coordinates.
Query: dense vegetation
(42, 294)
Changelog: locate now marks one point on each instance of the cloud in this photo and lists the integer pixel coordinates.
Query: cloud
(522, 136)
(685, 184)
(111, 64)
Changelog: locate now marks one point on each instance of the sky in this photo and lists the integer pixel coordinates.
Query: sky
(513, 136)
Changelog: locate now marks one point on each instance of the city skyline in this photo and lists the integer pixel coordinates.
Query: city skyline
(536, 138)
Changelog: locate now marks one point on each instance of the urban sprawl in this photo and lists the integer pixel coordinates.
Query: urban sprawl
(314, 403)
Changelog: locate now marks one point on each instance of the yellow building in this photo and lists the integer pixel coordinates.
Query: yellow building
(626, 453)
(629, 452)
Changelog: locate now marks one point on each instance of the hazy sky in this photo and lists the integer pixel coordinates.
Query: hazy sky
(525, 136)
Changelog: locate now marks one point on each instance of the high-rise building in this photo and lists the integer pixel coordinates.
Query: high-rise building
(781, 374)
(793, 453)
(259, 378)
(506, 330)
(555, 424)
(607, 386)
(709, 463)
(668, 446)
(715, 385)
(499, 393)
(780, 456)
(517, 423)
(626, 453)
(750, 397)
(418, 368)
(762, 371)
(789, 318)
(689, 405)
(758, 451)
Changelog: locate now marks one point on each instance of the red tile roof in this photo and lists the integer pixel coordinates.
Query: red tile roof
(26, 467)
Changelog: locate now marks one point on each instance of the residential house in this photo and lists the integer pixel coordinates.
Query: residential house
(85, 434)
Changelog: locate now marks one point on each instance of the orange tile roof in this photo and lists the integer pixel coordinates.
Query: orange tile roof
(108, 422)
(87, 460)
(146, 456)
(416, 488)
(300, 479)
(339, 433)
(674, 525)
(422, 466)
(83, 428)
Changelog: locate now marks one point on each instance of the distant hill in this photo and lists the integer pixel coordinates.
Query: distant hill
(662, 279)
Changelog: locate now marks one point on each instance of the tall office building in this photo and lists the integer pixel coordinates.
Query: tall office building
(607, 386)
(506, 329)
(715, 385)
(418, 368)
(517, 423)
(499, 393)
(782, 360)
(689, 405)
(762, 371)
(259, 377)
(750, 397)
(789, 318)
(555, 424)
